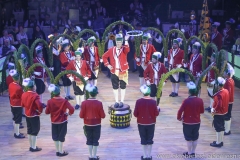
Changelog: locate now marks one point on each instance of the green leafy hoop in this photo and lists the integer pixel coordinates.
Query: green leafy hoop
(57, 78)
(184, 40)
(209, 46)
(32, 67)
(49, 52)
(26, 49)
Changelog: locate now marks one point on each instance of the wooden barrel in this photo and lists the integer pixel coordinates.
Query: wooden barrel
(120, 117)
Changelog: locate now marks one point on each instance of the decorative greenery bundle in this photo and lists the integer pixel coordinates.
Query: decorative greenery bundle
(45, 44)
(101, 46)
(184, 40)
(222, 62)
(137, 42)
(209, 46)
(66, 72)
(26, 49)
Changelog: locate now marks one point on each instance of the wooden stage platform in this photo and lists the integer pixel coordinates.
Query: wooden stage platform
(122, 144)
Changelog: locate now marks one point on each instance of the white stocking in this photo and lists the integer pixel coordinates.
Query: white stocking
(90, 151)
(56, 145)
(60, 147)
(115, 92)
(144, 151)
(222, 136)
(219, 137)
(141, 80)
(68, 90)
(34, 142)
(177, 87)
(65, 90)
(173, 87)
(30, 140)
(149, 150)
(199, 92)
(194, 146)
(189, 146)
(81, 99)
(17, 129)
(41, 98)
(95, 151)
(123, 91)
(77, 99)
(227, 126)
(95, 82)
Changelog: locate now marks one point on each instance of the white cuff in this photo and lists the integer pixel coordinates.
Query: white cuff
(165, 59)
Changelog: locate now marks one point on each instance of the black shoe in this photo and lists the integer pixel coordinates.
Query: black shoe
(171, 94)
(57, 153)
(21, 126)
(63, 154)
(116, 105)
(208, 108)
(143, 158)
(77, 106)
(96, 158)
(214, 144)
(220, 143)
(44, 105)
(225, 133)
(174, 95)
(70, 98)
(20, 136)
(120, 105)
(192, 155)
(67, 98)
(35, 150)
(149, 158)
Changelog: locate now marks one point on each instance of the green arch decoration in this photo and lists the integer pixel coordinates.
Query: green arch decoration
(209, 46)
(20, 50)
(57, 78)
(165, 76)
(184, 40)
(32, 67)
(49, 52)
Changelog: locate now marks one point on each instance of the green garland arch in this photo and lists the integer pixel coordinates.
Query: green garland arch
(165, 76)
(57, 78)
(209, 46)
(32, 67)
(49, 52)
(184, 42)
(20, 51)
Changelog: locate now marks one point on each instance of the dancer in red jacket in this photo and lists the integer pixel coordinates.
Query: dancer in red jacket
(146, 112)
(33, 108)
(59, 109)
(92, 112)
(15, 94)
(219, 110)
(229, 85)
(189, 113)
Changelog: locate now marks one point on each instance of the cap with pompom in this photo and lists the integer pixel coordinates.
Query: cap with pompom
(11, 66)
(91, 40)
(14, 74)
(157, 55)
(230, 21)
(192, 88)
(176, 41)
(28, 83)
(65, 43)
(146, 36)
(55, 90)
(197, 45)
(79, 52)
(229, 70)
(145, 90)
(38, 49)
(119, 37)
(221, 81)
(93, 90)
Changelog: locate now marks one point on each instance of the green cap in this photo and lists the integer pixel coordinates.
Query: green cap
(176, 41)
(145, 90)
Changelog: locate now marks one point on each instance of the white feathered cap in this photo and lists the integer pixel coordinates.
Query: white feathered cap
(59, 40)
(148, 35)
(89, 23)
(183, 30)
(145, 89)
(27, 82)
(52, 88)
(230, 70)
(80, 49)
(158, 21)
(65, 41)
(93, 38)
(157, 54)
(50, 35)
(191, 85)
(38, 49)
(12, 72)
(11, 64)
(78, 29)
(221, 81)
(93, 90)
(197, 44)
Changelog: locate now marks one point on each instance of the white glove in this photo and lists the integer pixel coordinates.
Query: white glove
(148, 83)
(101, 60)
(37, 73)
(164, 83)
(72, 58)
(185, 65)
(86, 78)
(179, 66)
(198, 74)
(138, 59)
(212, 110)
(109, 66)
(71, 79)
(165, 59)
(126, 37)
(51, 68)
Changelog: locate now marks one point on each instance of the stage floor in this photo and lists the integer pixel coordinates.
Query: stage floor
(122, 144)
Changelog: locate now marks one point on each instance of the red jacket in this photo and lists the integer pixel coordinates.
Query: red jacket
(92, 112)
(65, 59)
(15, 94)
(84, 68)
(177, 58)
(190, 110)
(122, 58)
(146, 111)
(9, 80)
(217, 40)
(149, 52)
(149, 72)
(31, 103)
(229, 85)
(39, 69)
(191, 33)
(196, 65)
(87, 56)
(210, 77)
(221, 101)
(57, 107)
